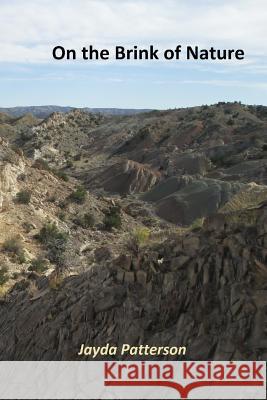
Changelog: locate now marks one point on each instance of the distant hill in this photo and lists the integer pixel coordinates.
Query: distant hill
(45, 111)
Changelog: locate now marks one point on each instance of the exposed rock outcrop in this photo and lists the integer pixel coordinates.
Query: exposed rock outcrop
(127, 177)
(11, 166)
(183, 200)
(209, 294)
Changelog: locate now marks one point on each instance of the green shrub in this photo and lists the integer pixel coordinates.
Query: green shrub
(86, 220)
(24, 135)
(112, 218)
(52, 198)
(21, 258)
(61, 175)
(38, 265)
(23, 197)
(50, 233)
(63, 205)
(137, 239)
(62, 216)
(40, 163)
(230, 122)
(77, 157)
(15, 275)
(22, 177)
(69, 164)
(3, 275)
(55, 242)
(141, 235)
(79, 195)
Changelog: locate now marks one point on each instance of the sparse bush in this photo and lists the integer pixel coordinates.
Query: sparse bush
(86, 220)
(13, 245)
(52, 198)
(62, 216)
(112, 218)
(40, 163)
(17, 150)
(148, 221)
(23, 197)
(50, 233)
(55, 242)
(63, 205)
(3, 275)
(25, 135)
(38, 265)
(27, 226)
(210, 114)
(77, 157)
(60, 174)
(138, 239)
(141, 235)
(21, 178)
(69, 164)
(79, 195)
(230, 122)
(21, 258)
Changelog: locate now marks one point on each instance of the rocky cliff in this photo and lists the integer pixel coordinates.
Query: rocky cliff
(208, 293)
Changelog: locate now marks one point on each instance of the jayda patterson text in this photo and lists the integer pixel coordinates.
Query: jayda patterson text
(127, 349)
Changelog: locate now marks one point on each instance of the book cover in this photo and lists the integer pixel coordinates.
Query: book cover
(133, 199)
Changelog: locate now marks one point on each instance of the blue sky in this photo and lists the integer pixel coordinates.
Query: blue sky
(29, 31)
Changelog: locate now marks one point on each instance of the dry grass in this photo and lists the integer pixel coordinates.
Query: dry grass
(247, 198)
(244, 217)
(55, 280)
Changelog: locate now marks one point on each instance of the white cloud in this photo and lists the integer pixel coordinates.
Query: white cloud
(215, 82)
(227, 83)
(30, 29)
